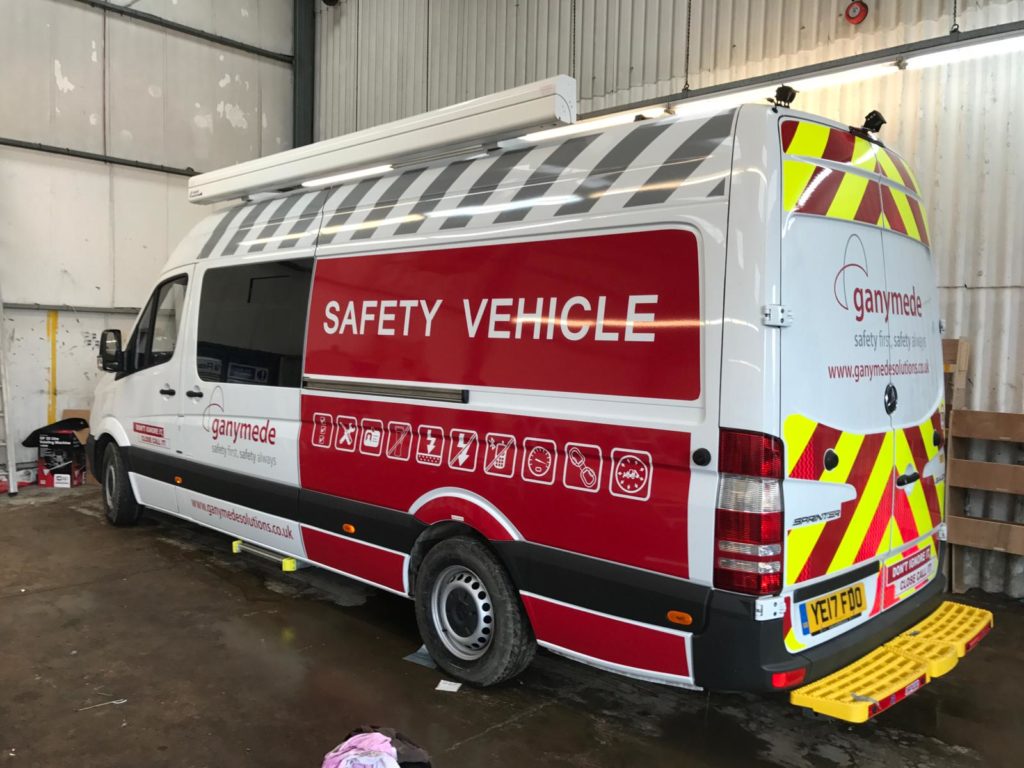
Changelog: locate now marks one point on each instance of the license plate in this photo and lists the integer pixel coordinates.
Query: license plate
(832, 609)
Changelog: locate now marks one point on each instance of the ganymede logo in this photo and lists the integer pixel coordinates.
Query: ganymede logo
(854, 291)
(234, 430)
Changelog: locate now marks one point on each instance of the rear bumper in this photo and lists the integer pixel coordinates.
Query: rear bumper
(736, 652)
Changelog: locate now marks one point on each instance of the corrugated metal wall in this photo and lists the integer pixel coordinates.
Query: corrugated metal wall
(383, 59)
(84, 233)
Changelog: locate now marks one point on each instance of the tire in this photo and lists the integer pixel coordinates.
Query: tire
(118, 499)
(469, 614)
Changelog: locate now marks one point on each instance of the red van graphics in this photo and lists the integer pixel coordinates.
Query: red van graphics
(617, 493)
(544, 315)
(150, 434)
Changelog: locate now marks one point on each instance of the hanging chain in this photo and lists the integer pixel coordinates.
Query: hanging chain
(686, 60)
(956, 26)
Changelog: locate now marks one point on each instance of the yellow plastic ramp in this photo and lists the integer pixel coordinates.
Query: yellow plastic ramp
(899, 668)
(956, 624)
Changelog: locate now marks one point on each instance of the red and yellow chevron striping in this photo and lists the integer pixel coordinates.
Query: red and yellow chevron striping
(881, 515)
(890, 200)
(880, 518)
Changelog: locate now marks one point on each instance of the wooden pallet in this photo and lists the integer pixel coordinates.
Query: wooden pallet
(962, 475)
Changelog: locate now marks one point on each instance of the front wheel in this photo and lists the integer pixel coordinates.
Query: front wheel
(118, 499)
(469, 614)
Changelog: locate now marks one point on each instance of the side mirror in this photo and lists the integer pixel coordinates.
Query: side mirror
(111, 357)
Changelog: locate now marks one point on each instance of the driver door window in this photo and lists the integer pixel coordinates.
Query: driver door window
(156, 334)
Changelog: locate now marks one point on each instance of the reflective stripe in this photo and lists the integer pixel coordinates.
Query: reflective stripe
(883, 515)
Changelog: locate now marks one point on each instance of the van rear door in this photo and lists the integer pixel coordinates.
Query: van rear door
(837, 431)
(916, 353)
(851, 452)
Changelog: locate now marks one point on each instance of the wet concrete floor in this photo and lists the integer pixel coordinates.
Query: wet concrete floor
(154, 646)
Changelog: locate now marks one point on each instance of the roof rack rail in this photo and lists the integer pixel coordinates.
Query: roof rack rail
(477, 124)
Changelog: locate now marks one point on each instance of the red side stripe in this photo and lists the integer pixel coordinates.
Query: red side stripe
(839, 146)
(892, 213)
(919, 451)
(931, 496)
(353, 557)
(915, 208)
(879, 523)
(788, 131)
(917, 448)
(904, 516)
(904, 172)
(870, 205)
(811, 463)
(820, 191)
(832, 535)
(608, 639)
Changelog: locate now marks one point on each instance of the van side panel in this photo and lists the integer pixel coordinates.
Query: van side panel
(614, 315)
(594, 325)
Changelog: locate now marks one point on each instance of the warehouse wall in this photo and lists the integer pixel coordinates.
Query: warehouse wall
(91, 235)
(380, 60)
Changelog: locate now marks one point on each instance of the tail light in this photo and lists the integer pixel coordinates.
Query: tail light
(748, 515)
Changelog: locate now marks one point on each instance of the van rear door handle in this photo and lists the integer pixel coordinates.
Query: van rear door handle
(907, 479)
(167, 391)
(193, 393)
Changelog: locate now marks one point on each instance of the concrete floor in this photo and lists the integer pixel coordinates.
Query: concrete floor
(155, 646)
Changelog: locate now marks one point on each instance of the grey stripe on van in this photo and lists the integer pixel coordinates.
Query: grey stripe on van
(719, 189)
(347, 206)
(611, 166)
(547, 173)
(276, 219)
(686, 158)
(218, 232)
(433, 195)
(387, 202)
(243, 229)
(310, 211)
(484, 187)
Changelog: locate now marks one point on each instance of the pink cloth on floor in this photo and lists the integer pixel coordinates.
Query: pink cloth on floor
(372, 750)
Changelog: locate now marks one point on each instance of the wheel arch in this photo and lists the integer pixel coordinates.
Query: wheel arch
(451, 512)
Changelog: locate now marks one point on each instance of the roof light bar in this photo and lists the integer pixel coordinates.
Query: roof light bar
(477, 123)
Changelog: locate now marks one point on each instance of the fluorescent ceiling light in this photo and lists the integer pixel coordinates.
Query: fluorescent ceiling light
(326, 181)
(966, 52)
(843, 77)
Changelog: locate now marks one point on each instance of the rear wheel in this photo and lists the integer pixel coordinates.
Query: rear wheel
(118, 499)
(469, 614)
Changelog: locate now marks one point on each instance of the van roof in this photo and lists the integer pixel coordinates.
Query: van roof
(645, 163)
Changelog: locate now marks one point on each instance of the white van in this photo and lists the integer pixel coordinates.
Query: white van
(664, 397)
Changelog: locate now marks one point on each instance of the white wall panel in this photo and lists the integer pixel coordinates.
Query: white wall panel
(87, 234)
(51, 54)
(184, 103)
(54, 229)
(263, 23)
(84, 233)
(107, 84)
(75, 346)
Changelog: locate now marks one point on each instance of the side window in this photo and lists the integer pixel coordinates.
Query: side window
(252, 320)
(155, 335)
